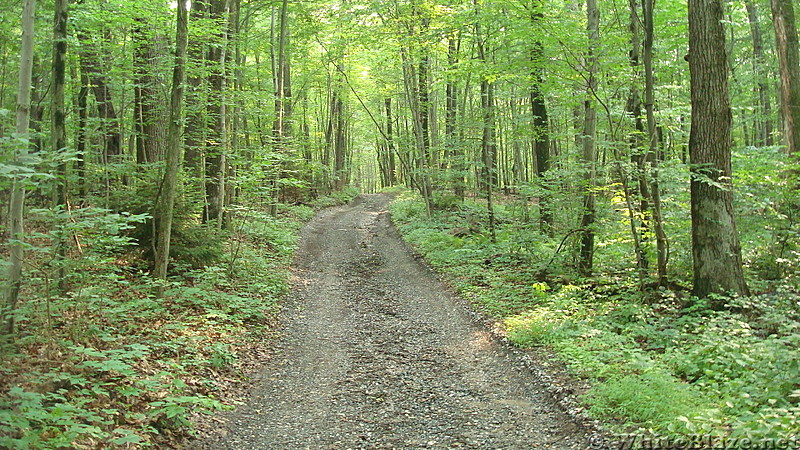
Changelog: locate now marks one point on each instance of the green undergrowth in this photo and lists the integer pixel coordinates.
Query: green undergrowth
(659, 362)
(108, 365)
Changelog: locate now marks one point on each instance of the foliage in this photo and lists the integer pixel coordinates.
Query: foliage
(110, 365)
(658, 361)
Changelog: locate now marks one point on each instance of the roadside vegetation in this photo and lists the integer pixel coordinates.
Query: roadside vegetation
(111, 365)
(659, 361)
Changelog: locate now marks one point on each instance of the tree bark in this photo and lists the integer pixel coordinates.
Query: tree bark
(216, 151)
(391, 164)
(80, 134)
(764, 119)
(653, 158)
(541, 128)
(58, 127)
(454, 153)
(716, 250)
(488, 139)
(150, 114)
(283, 84)
(15, 228)
(786, 43)
(92, 67)
(165, 208)
(589, 145)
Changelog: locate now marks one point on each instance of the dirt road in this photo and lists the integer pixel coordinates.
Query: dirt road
(377, 354)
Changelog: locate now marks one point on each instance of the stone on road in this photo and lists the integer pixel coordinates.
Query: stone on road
(377, 353)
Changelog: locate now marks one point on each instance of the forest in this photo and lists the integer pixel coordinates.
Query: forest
(613, 184)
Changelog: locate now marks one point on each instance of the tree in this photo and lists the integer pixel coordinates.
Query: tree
(58, 127)
(488, 139)
(589, 156)
(218, 143)
(541, 127)
(789, 61)
(16, 210)
(764, 121)
(169, 184)
(149, 111)
(716, 252)
(662, 248)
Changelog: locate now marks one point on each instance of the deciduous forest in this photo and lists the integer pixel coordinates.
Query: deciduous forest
(613, 184)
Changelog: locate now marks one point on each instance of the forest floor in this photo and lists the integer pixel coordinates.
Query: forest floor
(377, 353)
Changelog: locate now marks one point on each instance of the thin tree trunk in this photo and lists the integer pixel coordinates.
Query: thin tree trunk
(541, 129)
(764, 118)
(589, 145)
(716, 250)
(58, 117)
(92, 67)
(80, 135)
(488, 139)
(169, 186)
(783, 19)
(638, 156)
(216, 156)
(653, 158)
(390, 143)
(455, 155)
(15, 228)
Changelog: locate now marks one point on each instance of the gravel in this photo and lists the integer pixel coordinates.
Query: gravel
(377, 353)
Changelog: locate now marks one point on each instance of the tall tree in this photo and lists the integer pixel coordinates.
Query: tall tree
(218, 143)
(282, 128)
(789, 62)
(488, 139)
(15, 228)
(169, 184)
(541, 126)
(764, 120)
(589, 140)
(92, 65)
(653, 158)
(58, 128)
(57, 112)
(454, 152)
(716, 251)
(150, 113)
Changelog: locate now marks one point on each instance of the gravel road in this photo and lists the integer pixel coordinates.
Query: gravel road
(377, 353)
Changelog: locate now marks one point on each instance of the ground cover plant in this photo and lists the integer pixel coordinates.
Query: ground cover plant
(109, 364)
(659, 361)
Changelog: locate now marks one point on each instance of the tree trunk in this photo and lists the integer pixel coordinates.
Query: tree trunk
(58, 126)
(638, 156)
(283, 83)
(653, 158)
(216, 154)
(454, 153)
(166, 204)
(589, 145)
(80, 135)
(716, 251)
(488, 139)
(15, 227)
(196, 99)
(391, 164)
(91, 65)
(789, 63)
(150, 116)
(541, 130)
(764, 119)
